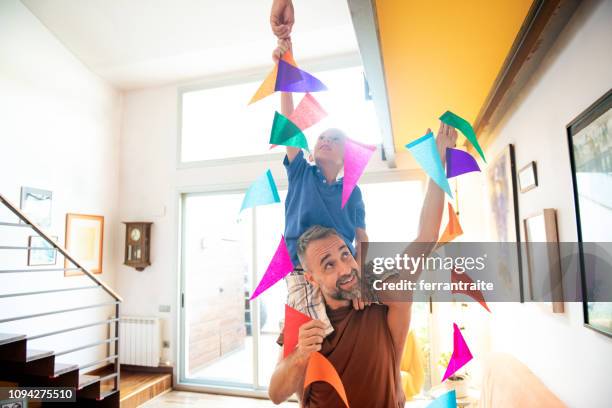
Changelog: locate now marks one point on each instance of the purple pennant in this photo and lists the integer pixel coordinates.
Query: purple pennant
(293, 79)
(459, 162)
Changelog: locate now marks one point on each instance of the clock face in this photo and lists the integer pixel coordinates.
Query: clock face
(135, 234)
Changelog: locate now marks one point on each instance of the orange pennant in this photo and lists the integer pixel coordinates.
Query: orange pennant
(453, 228)
(268, 85)
(320, 369)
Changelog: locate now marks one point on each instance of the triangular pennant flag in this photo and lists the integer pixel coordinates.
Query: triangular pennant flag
(464, 126)
(263, 191)
(356, 158)
(284, 132)
(268, 85)
(425, 151)
(279, 267)
(453, 228)
(446, 400)
(320, 369)
(474, 294)
(292, 79)
(459, 162)
(293, 321)
(307, 113)
(461, 353)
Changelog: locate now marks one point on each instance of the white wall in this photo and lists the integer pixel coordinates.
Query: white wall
(572, 360)
(59, 130)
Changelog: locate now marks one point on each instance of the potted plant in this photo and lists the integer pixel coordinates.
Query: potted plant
(458, 381)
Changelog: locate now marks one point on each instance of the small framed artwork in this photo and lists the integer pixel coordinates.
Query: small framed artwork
(528, 177)
(85, 242)
(544, 259)
(590, 147)
(36, 204)
(40, 252)
(503, 204)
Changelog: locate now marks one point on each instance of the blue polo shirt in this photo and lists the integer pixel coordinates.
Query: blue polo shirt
(311, 200)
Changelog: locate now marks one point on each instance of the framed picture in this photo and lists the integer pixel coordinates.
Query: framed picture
(45, 256)
(36, 204)
(544, 259)
(590, 146)
(503, 204)
(528, 177)
(84, 241)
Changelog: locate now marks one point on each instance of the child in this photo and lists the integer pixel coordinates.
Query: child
(314, 197)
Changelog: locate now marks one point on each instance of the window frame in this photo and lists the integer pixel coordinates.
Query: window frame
(348, 60)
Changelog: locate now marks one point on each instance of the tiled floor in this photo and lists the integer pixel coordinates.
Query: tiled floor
(183, 399)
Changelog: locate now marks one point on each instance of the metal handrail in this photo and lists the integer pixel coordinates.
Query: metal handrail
(72, 309)
(60, 249)
(83, 326)
(41, 292)
(39, 270)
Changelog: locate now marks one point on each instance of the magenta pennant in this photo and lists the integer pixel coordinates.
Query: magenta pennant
(356, 158)
(459, 162)
(279, 267)
(307, 113)
(461, 353)
(293, 79)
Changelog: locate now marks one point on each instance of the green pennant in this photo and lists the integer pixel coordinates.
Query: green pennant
(464, 126)
(286, 133)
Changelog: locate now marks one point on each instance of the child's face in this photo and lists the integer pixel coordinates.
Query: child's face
(330, 147)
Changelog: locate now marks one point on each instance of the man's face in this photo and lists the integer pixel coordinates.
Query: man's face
(330, 147)
(331, 266)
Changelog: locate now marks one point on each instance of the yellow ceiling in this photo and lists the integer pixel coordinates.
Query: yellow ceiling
(442, 55)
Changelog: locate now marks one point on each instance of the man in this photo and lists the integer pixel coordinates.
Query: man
(366, 345)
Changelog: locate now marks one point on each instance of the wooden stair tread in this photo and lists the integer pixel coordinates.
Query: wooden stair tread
(86, 379)
(132, 385)
(62, 368)
(6, 338)
(34, 354)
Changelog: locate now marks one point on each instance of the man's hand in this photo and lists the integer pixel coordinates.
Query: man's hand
(281, 18)
(310, 338)
(446, 137)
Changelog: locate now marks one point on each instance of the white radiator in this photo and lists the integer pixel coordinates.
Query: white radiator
(139, 341)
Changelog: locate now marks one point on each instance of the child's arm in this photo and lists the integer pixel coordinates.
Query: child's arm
(286, 97)
(287, 110)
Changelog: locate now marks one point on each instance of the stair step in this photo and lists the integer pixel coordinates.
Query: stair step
(105, 394)
(63, 368)
(86, 379)
(33, 354)
(6, 338)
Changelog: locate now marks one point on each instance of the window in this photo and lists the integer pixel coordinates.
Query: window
(217, 123)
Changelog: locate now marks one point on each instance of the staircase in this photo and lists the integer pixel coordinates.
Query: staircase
(22, 363)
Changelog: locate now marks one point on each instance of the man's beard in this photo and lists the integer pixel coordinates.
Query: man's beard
(347, 294)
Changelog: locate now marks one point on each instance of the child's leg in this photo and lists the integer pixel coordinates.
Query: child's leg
(307, 299)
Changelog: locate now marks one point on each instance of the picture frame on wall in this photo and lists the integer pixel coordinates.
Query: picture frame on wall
(528, 177)
(505, 230)
(545, 279)
(85, 242)
(590, 146)
(36, 205)
(45, 256)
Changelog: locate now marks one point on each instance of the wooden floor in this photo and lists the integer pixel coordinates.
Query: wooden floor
(138, 388)
(180, 399)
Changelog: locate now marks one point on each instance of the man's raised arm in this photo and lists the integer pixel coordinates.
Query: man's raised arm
(398, 317)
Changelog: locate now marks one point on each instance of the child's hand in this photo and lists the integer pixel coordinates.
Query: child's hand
(447, 137)
(283, 47)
